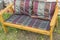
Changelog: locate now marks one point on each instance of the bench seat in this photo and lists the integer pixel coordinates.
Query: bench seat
(29, 21)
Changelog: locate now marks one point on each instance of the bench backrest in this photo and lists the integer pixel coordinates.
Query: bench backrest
(36, 8)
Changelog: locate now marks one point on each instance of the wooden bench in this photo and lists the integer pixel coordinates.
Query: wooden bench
(28, 22)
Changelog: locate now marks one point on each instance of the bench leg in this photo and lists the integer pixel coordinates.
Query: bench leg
(5, 29)
(2, 22)
(51, 37)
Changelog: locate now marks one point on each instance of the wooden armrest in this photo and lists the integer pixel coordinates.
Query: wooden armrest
(6, 9)
(40, 18)
(54, 18)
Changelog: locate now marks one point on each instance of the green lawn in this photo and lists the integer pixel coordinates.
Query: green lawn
(17, 34)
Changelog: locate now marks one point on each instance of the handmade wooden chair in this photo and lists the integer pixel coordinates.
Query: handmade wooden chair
(35, 16)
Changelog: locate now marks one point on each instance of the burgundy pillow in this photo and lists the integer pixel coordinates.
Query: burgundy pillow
(23, 7)
(43, 10)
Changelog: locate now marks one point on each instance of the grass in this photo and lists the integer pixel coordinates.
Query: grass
(17, 34)
(57, 28)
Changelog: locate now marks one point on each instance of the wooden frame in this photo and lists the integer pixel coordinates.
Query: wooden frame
(45, 32)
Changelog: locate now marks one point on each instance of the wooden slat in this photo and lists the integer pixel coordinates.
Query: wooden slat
(28, 28)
